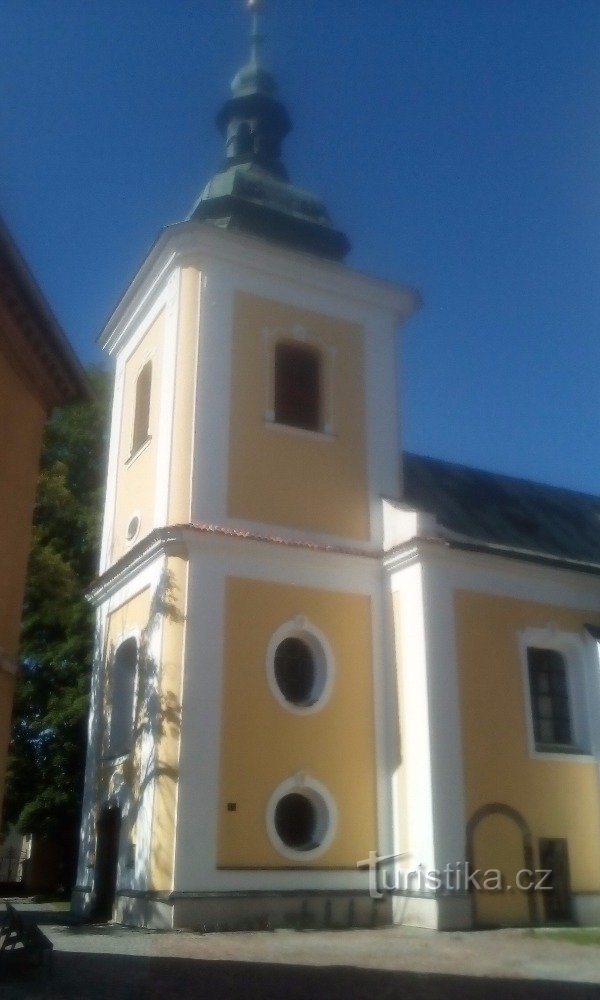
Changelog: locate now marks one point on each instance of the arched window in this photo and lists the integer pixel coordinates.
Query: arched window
(141, 418)
(297, 385)
(122, 694)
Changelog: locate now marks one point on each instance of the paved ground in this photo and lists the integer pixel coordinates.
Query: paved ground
(116, 963)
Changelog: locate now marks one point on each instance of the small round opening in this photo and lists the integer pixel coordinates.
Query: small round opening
(295, 671)
(296, 822)
(132, 528)
(301, 819)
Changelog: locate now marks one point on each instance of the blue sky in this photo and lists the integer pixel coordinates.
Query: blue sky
(456, 142)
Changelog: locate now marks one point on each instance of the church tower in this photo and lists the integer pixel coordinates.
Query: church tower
(243, 736)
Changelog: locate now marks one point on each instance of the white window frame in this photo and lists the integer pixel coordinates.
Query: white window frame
(136, 534)
(148, 359)
(574, 651)
(301, 628)
(327, 816)
(110, 755)
(299, 334)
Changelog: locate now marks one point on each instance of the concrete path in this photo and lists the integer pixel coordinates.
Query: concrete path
(116, 963)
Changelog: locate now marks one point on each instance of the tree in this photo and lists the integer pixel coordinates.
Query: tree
(49, 734)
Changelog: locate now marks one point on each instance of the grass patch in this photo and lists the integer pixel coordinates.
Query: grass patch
(52, 900)
(576, 935)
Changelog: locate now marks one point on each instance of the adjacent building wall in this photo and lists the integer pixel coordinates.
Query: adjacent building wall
(22, 419)
(20, 443)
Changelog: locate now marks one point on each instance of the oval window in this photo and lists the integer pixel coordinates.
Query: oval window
(132, 528)
(300, 667)
(301, 819)
(295, 671)
(296, 822)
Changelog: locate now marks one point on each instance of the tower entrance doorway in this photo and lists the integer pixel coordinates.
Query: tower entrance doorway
(107, 859)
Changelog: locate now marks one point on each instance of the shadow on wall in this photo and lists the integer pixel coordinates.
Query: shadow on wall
(157, 715)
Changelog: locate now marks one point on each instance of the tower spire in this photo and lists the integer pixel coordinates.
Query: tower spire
(256, 39)
(251, 191)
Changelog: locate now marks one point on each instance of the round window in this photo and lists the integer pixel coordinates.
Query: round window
(295, 671)
(296, 822)
(301, 818)
(299, 666)
(132, 528)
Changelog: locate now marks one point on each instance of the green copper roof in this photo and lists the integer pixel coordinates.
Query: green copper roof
(491, 512)
(251, 192)
(253, 79)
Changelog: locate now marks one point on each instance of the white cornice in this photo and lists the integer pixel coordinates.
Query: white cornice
(414, 550)
(143, 291)
(480, 556)
(169, 541)
(189, 242)
(177, 539)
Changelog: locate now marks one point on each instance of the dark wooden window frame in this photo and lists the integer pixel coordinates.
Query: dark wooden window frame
(298, 385)
(556, 888)
(141, 414)
(551, 709)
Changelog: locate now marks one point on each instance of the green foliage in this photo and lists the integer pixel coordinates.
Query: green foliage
(47, 755)
(575, 935)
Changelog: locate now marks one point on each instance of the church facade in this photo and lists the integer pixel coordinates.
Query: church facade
(319, 697)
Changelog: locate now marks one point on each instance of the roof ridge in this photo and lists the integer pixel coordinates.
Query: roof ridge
(491, 474)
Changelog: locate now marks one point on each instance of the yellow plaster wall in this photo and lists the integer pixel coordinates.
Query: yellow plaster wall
(136, 478)
(144, 613)
(133, 616)
(167, 750)
(498, 844)
(185, 385)
(262, 743)
(558, 798)
(280, 476)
